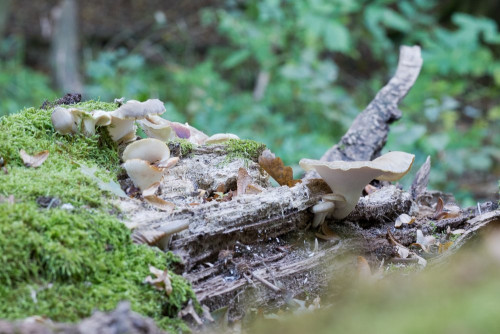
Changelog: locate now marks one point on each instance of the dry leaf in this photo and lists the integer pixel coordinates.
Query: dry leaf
(458, 231)
(189, 310)
(150, 237)
(393, 241)
(243, 181)
(10, 199)
(162, 280)
(444, 247)
(274, 166)
(34, 160)
(254, 189)
(328, 234)
(403, 252)
(442, 212)
(424, 242)
(404, 219)
(159, 203)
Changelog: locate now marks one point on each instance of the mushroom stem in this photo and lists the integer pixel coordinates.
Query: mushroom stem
(320, 211)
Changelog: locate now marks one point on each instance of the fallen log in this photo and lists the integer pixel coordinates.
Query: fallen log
(226, 243)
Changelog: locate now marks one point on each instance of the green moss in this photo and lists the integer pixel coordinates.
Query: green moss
(244, 149)
(186, 147)
(78, 261)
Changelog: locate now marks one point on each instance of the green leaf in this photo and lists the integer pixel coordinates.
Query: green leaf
(336, 37)
(235, 59)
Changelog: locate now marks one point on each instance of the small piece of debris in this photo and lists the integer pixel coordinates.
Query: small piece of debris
(33, 160)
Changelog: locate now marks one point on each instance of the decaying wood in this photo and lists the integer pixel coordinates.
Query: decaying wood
(368, 133)
(419, 184)
(259, 250)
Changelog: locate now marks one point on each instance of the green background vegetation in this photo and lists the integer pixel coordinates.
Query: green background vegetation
(325, 60)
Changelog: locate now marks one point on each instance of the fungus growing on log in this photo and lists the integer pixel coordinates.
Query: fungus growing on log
(348, 178)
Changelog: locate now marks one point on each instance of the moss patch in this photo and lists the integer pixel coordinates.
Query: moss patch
(64, 264)
(245, 149)
(183, 145)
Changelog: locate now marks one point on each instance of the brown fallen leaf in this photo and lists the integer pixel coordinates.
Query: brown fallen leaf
(243, 181)
(162, 280)
(444, 247)
(327, 233)
(274, 166)
(254, 189)
(445, 212)
(159, 203)
(33, 160)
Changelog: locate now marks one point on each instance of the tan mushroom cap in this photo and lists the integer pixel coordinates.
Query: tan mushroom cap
(133, 109)
(122, 128)
(156, 127)
(149, 149)
(64, 121)
(220, 138)
(142, 173)
(348, 178)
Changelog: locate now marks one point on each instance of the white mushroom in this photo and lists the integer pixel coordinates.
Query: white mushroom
(156, 127)
(92, 119)
(63, 121)
(320, 211)
(142, 173)
(220, 138)
(348, 178)
(149, 149)
(122, 128)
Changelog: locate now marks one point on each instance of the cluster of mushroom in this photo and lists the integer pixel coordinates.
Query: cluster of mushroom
(348, 178)
(121, 123)
(145, 160)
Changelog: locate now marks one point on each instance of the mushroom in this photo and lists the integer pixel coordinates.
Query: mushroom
(220, 138)
(159, 238)
(140, 157)
(64, 121)
(156, 127)
(320, 211)
(348, 178)
(89, 120)
(142, 173)
(149, 149)
(122, 128)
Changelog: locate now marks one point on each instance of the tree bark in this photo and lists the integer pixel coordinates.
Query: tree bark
(65, 59)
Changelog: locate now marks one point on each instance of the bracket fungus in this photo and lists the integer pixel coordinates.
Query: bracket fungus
(156, 127)
(142, 160)
(348, 178)
(122, 127)
(220, 138)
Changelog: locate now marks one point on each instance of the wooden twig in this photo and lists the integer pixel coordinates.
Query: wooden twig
(368, 133)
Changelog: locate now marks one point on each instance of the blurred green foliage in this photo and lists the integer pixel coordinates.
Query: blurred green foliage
(294, 74)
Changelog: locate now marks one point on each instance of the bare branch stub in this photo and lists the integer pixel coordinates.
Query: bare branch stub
(368, 133)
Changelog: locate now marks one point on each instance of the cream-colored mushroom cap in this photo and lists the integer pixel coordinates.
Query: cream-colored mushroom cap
(156, 127)
(92, 119)
(149, 149)
(348, 178)
(220, 138)
(122, 128)
(142, 173)
(63, 121)
(133, 109)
